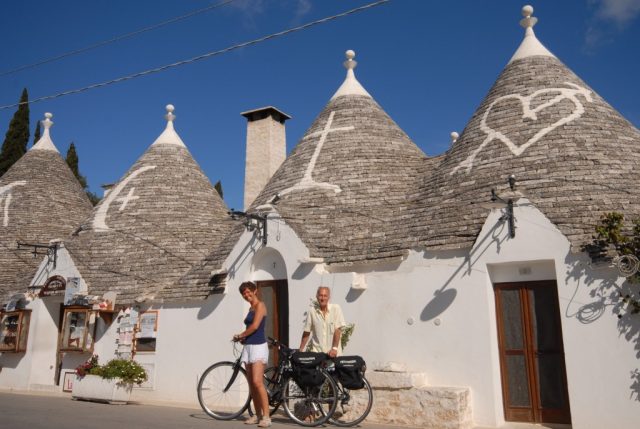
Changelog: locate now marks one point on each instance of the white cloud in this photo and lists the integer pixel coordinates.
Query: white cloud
(609, 18)
(620, 12)
(303, 7)
(252, 9)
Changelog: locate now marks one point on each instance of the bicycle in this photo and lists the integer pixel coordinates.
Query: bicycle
(354, 405)
(306, 405)
(223, 391)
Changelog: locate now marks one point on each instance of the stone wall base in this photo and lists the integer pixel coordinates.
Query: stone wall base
(397, 402)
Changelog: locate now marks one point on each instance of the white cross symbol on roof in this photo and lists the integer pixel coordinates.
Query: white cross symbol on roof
(307, 180)
(100, 218)
(125, 200)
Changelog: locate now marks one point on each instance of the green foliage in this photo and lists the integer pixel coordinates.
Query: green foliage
(72, 162)
(37, 132)
(218, 187)
(17, 136)
(610, 228)
(346, 334)
(93, 197)
(611, 232)
(126, 371)
(86, 367)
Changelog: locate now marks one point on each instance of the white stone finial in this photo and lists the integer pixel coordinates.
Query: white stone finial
(350, 64)
(350, 86)
(47, 122)
(454, 136)
(45, 142)
(170, 116)
(528, 21)
(530, 46)
(169, 135)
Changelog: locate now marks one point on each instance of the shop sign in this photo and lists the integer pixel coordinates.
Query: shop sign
(54, 285)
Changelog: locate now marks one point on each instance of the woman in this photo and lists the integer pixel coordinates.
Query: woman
(255, 353)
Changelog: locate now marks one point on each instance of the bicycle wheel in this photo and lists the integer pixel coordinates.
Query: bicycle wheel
(219, 403)
(273, 390)
(310, 406)
(353, 405)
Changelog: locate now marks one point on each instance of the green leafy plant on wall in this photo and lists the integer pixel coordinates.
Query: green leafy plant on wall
(613, 235)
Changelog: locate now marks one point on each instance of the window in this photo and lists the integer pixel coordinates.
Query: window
(78, 329)
(14, 329)
(146, 332)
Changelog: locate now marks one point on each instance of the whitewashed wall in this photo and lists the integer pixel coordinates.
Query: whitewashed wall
(35, 368)
(433, 311)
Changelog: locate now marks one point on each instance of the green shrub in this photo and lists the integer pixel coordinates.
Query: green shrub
(126, 371)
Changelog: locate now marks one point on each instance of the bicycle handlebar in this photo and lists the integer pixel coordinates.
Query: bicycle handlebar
(279, 345)
(286, 349)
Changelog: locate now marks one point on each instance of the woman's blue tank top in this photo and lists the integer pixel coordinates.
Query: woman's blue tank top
(258, 337)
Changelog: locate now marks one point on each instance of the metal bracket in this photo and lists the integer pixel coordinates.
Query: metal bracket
(260, 224)
(509, 215)
(51, 250)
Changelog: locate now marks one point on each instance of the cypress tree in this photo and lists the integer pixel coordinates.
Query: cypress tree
(72, 162)
(17, 137)
(36, 134)
(218, 187)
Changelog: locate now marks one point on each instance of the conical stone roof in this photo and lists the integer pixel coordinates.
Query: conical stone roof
(343, 189)
(158, 221)
(40, 200)
(573, 155)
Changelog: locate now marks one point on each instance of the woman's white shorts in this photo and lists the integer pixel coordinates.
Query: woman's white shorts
(252, 353)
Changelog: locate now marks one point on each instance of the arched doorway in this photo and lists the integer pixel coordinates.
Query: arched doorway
(269, 272)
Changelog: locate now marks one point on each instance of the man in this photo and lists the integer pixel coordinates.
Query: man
(324, 325)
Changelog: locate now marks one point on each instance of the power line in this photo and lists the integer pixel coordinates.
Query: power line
(203, 56)
(115, 39)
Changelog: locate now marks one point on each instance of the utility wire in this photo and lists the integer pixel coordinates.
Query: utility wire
(203, 56)
(116, 39)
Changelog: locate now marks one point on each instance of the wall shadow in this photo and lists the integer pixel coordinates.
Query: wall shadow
(210, 305)
(302, 271)
(441, 301)
(445, 296)
(353, 294)
(607, 291)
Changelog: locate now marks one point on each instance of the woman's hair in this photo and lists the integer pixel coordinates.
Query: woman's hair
(248, 285)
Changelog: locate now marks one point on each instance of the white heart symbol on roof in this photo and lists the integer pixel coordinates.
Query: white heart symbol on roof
(570, 94)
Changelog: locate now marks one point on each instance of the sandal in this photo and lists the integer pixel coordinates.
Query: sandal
(265, 422)
(252, 420)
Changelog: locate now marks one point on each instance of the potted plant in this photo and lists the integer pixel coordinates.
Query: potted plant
(110, 383)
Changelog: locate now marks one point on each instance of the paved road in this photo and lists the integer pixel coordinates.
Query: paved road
(47, 411)
(18, 411)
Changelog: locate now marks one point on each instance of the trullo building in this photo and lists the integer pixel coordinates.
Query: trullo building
(491, 308)
(40, 200)
(463, 274)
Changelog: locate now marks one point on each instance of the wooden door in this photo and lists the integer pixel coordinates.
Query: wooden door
(275, 295)
(534, 386)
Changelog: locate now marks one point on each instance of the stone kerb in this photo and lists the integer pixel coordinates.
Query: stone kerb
(405, 398)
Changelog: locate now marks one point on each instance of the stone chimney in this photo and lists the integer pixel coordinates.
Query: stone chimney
(266, 148)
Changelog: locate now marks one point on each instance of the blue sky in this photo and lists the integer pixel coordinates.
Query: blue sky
(427, 63)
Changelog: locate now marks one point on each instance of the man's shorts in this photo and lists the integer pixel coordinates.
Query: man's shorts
(252, 353)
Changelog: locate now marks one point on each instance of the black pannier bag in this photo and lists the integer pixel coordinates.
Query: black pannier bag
(306, 372)
(350, 371)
